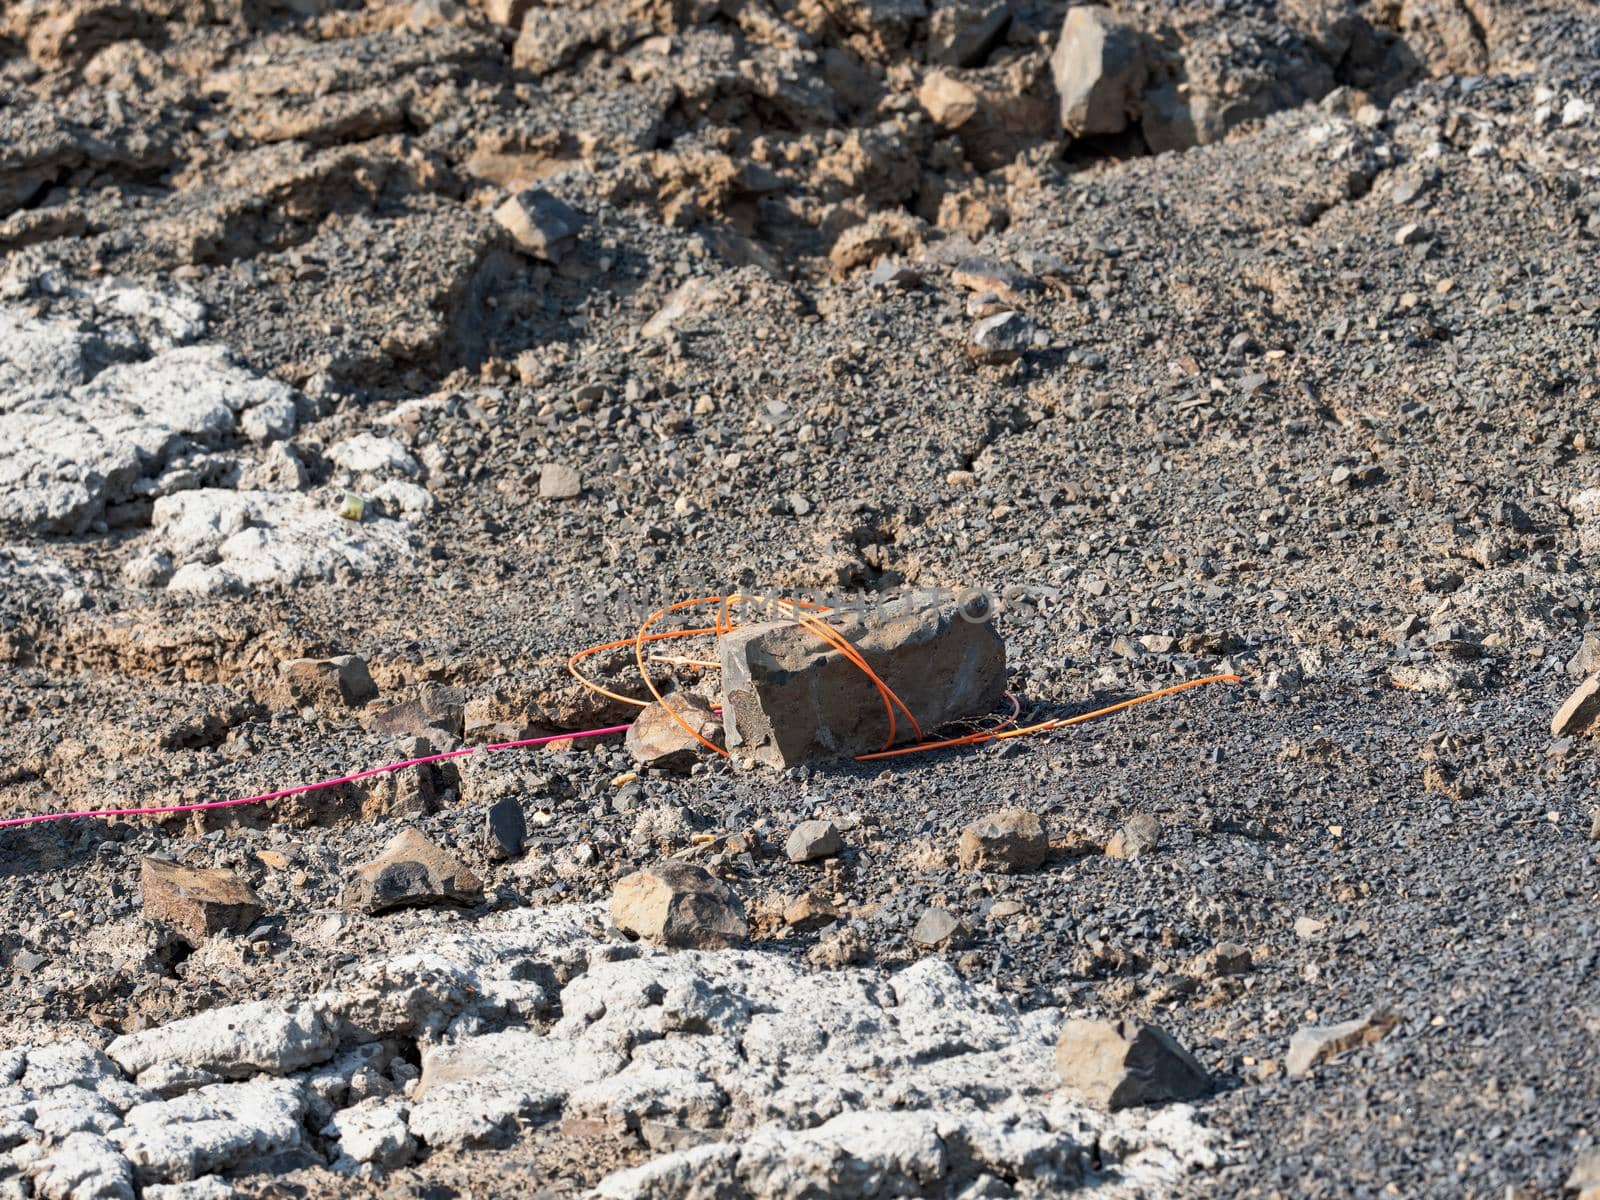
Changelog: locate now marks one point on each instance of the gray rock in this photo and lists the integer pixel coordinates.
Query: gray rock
(788, 698)
(1140, 834)
(1313, 1044)
(505, 829)
(812, 840)
(1012, 839)
(541, 224)
(411, 872)
(557, 481)
(656, 739)
(961, 33)
(1100, 71)
(1119, 1064)
(940, 929)
(892, 273)
(678, 905)
(999, 339)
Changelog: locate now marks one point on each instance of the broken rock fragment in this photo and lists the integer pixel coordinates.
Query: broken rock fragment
(655, 739)
(341, 682)
(812, 840)
(1140, 834)
(940, 929)
(194, 902)
(789, 698)
(541, 224)
(1100, 71)
(1120, 1064)
(1012, 839)
(1580, 711)
(679, 905)
(1000, 339)
(1313, 1044)
(411, 872)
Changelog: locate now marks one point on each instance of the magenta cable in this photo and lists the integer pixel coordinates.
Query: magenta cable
(310, 787)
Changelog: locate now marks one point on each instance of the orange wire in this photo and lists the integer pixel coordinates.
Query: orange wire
(837, 641)
(973, 739)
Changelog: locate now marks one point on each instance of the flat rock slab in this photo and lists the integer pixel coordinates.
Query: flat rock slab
(412, 872)
(1313, 1044)
(789, 698)
(197, 903)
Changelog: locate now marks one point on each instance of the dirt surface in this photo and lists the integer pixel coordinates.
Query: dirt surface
(1309, 396)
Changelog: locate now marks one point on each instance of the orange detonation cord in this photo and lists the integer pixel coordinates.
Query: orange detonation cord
(809, 617)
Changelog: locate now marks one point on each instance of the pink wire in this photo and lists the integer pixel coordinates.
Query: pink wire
(309, 787)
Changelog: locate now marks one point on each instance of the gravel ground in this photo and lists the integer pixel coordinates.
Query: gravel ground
(1313, 402)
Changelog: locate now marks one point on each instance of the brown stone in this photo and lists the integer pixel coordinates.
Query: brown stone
(656, 740)
(411, 872)
(1119, 1064)
(325, 683)
(1012, 839)
(679, 905)
(789, 698)
(196, 902)
(1580, 712)
(810, 913)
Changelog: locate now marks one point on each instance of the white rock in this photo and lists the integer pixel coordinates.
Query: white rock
(272, 421)
(408, 500)
(212, 1129)
(84, 1166)
(66, 1063)
(374, 1132)
(208, 1187)
(77, 434)
(1576, 111)
(233, 1042)
(366, 454)
(73, 1109)
(236, 541)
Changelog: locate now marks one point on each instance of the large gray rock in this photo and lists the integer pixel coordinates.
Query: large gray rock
(788, 698)
(1100, 71)
(1118, 1064)
(543, 225)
